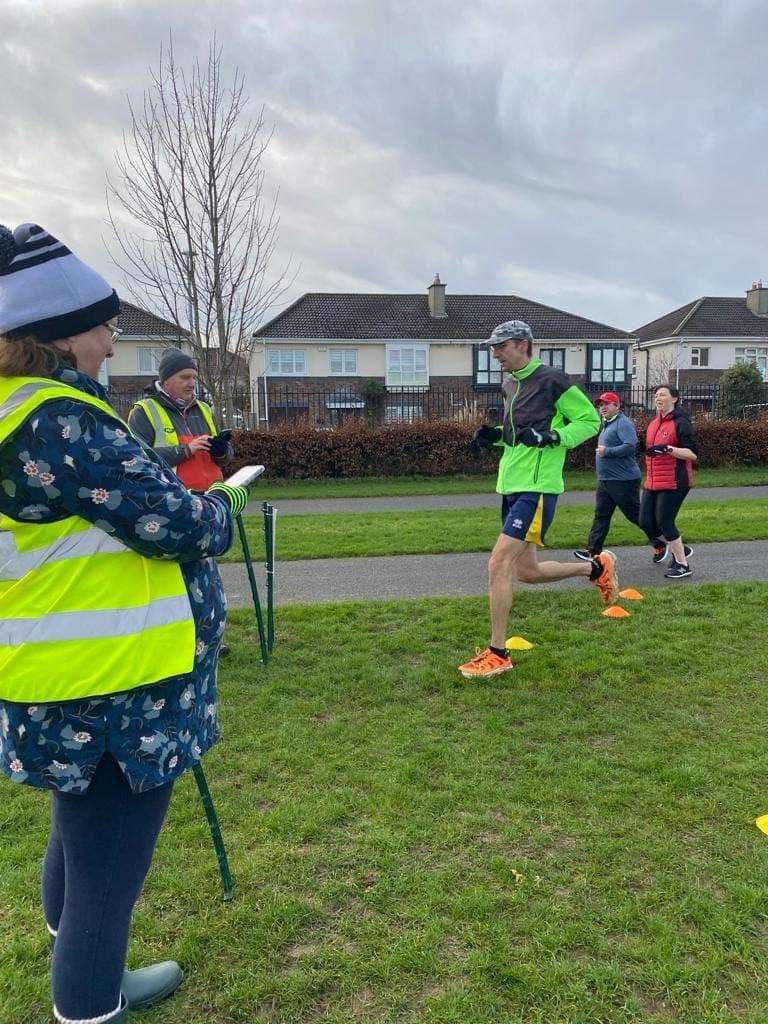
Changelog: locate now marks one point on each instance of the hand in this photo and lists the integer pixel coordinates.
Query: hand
(537, 438)
(199, 444)
(235, 497)
(658, 449)
(486, 437)
(219, 445)
(600, 449)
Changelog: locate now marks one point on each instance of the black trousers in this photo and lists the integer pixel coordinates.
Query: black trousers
(658, 510)
(610, 495)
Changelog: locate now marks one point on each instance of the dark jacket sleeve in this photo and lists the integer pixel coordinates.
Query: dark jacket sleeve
(140, 424)
(686, 436)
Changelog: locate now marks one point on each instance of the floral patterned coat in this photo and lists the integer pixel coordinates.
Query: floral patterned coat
(72, 458)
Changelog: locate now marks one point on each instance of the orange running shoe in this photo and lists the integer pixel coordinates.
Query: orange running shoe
(485, 663)
(608, 580)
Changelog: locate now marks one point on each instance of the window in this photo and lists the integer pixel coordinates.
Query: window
(148, 359)
(407, 366)
(553, 357)
(343, 362)
(486, 371)
(286, 362)
(607, 365)
(757, 355)
(402, 413)
(700, 357)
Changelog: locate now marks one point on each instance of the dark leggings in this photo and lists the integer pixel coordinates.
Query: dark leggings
(658, 510)
(98, 854)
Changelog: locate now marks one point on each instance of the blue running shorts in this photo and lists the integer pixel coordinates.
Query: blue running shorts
(527, 515)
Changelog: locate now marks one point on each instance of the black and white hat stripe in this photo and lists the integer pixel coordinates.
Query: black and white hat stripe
(35, 257)
(45, 290)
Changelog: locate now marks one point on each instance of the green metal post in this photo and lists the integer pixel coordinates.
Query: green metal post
(254, 589)
(269, 544)
(213, 823)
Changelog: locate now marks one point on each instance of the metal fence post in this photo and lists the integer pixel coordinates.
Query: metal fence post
(269, 545)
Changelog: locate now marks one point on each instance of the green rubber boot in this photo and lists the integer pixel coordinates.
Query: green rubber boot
(148, 985)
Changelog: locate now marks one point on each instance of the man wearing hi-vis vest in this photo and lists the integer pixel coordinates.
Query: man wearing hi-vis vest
(179, 426)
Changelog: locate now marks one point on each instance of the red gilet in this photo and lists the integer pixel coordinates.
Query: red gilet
(665, 472)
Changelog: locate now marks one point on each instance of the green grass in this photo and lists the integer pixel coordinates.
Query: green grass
(397, 486)
(457, 530)
(570, 843)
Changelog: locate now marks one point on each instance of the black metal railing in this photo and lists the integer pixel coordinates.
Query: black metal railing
(327, 406)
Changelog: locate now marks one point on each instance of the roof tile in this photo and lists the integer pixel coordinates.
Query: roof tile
(710, 316)
(323, 315)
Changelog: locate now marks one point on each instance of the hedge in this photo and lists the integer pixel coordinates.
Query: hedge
(440, 448)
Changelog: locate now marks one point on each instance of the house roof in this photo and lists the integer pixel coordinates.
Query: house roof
(324, 315)
(709, 316)
(136, 321)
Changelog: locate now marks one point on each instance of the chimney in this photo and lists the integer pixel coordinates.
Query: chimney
(436, 298)
(757, 298)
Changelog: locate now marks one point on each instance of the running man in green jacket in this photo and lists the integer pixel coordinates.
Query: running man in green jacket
(544, 415)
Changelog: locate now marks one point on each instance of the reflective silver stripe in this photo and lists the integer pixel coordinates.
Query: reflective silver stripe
(14, 563)
(87, 625)
(151, 409)
(20, 395)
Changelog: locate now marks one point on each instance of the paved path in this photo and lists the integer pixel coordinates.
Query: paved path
(328, 506)
(344, 579)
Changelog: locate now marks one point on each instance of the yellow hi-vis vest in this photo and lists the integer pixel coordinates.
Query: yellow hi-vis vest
(165, 432)
(81, 615)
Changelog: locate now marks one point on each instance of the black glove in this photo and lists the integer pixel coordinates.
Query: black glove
(220, 444)
(537, 438)
(658, 449)
(486, 437)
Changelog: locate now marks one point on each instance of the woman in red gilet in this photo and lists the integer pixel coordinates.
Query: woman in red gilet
(671, 450)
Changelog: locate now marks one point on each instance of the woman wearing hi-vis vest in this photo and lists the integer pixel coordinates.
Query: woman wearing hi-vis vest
(111, 615)
(179, 426)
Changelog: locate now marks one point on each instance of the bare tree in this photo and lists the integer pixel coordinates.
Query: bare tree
(197, 242)
(663, 366)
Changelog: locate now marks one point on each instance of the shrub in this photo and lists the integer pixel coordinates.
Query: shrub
(442, 447)
(740, 385)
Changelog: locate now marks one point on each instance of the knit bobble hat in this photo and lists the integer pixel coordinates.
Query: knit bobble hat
(46, 291)
(172, 361)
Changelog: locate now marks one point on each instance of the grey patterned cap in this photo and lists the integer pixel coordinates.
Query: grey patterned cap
(510, 330)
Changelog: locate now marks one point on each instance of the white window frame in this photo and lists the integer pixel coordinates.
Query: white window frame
(156, 353)
(278, 354)
(419, 378)
(757, 354)
(696, 353)
(348, 359)
(403, 413)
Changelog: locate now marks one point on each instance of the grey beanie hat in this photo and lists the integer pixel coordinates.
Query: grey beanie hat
(173, 360)
(46, 291)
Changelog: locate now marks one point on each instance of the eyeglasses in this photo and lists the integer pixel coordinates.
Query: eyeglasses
(114, 331)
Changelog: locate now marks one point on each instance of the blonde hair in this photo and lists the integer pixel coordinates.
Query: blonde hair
(26, 356)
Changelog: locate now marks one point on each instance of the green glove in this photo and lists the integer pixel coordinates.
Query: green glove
(236, 497)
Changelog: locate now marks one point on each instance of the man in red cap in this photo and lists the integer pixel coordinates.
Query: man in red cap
(618, 477)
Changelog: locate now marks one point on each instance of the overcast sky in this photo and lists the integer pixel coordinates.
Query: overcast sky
(603, 156)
